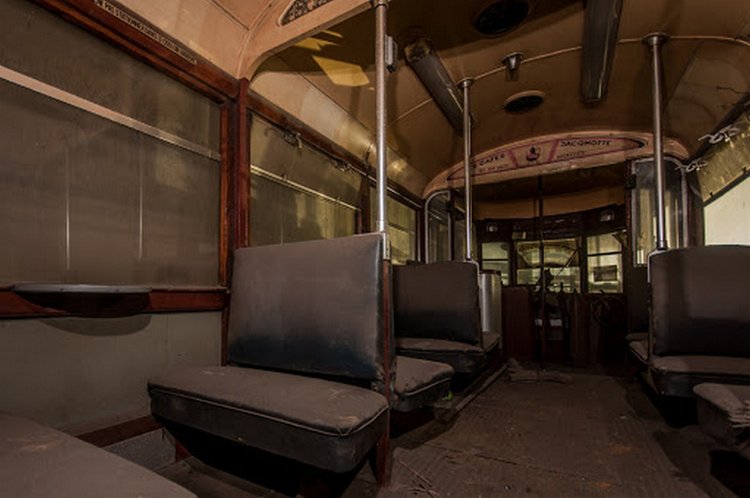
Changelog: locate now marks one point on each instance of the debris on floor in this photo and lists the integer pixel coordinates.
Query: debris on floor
(520, 374)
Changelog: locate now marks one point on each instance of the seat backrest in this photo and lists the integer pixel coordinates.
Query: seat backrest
(699, 301)
(313, 307)
(438, 301)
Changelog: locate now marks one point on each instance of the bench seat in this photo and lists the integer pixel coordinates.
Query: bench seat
(38, 462)
(717, 405)
(464, 358)
(420, 382)
(639, 351)
(490, 341)
(636, 336)
(326, 424)
(677, 375)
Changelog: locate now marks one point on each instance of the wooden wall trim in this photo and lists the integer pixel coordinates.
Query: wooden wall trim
(241, 174)
(13, 305)
(202, 76)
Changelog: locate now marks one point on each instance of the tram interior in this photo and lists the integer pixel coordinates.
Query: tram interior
(374, 248)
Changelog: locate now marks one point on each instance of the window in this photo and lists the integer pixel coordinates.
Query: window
(604, 262)
(86, 198)
(725, 188)
(437, 229)
(297, 193)
(402, 228)
(727, 219)
(644, 208)
(496, 257)
(561, 258)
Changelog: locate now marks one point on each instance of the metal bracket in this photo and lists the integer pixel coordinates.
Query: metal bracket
(391, 54)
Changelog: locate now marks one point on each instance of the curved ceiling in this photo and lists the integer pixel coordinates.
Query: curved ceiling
(326, 80)
(706, 67)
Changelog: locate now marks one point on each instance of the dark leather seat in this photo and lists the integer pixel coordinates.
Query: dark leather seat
(700, 320)
(319, 422)
(724, 413)
(636, 336)
(437, 315)
(462, 357)
(38, 462)
(677, 375)
(300, 313)
(490, 341)
(639, 351)
(420, 382)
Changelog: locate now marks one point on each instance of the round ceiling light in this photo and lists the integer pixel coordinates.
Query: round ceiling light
(501, 16)
(523, 102)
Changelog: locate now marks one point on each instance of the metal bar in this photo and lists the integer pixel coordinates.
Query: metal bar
(298, 186)
(655, 42)
(465, 84)
(381, 12)
(97, 110)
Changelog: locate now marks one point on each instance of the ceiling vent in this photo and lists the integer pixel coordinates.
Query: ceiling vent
(523, 102)
(501, 16)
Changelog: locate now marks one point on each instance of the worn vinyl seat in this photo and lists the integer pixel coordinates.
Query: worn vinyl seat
(636, 336)
(699, 318)
(677, 375)
(323, 423)
(38, 462)
(724, 413)
(437, 314)
(462, 357)
(420, 383)
(311, 354)
(490, 341)
(639, 351)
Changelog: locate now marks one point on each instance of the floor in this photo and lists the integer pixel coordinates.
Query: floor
(595, 436)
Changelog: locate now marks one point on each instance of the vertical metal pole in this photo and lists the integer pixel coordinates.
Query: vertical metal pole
(381, 13)
(465, 84)
(655, 42)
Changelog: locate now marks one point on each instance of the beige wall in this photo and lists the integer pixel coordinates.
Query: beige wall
(79, 374)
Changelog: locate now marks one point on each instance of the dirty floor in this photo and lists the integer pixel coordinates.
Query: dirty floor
(598, 436)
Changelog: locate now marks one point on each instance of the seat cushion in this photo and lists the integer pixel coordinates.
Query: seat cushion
(464, 358)
(38, 461)
(639, 351)
(636, 336)
(323, 423)
(724, 413)
(490, 341)
(420, 382)
(677, 375)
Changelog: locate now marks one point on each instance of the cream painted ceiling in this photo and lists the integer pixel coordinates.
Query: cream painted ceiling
(326, 79)
(706, 66)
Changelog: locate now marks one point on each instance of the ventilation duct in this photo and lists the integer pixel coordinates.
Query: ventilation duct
(429, 68)
(600, 26)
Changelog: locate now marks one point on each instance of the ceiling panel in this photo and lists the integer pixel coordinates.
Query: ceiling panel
(703, 78)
